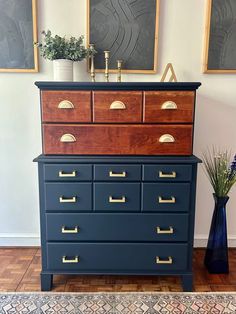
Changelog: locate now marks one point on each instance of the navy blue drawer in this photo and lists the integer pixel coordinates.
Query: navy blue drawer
(68, 196)
(170, 173)
(117, 172)
(117, 197)
(108, 257)
(117, 227)
(71, 172)
(166, 197)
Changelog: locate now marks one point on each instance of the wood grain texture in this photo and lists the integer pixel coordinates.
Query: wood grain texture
(80, 113)
(103, 100)
(153, 102)
(117, 139)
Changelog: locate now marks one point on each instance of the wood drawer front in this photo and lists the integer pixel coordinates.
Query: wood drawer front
(117, 197)
(68, 196)
(162, 173)
(117, 257)
(76, 106)
(115, 107)
(118, 139)
(157, 106)
(62, 172)
(166, 197)
(117, 172)
(117, 227)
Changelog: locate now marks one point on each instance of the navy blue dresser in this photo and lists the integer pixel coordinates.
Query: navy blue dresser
(117, 213)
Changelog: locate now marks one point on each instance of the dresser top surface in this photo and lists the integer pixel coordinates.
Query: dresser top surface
(118, 86)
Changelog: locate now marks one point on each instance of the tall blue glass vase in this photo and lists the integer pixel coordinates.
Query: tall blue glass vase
(216, 257)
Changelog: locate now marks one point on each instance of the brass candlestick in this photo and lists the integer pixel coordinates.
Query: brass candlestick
(92, 68)
(119, 65)
(107, 55)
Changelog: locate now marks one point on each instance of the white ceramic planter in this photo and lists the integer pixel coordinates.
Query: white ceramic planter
(63, 70)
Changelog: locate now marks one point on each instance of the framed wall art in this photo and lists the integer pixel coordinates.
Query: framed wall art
(220, 37)
(126, 28)
(18, 32)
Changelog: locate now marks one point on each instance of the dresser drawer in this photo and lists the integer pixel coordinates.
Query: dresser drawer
(117, 227)
(68, 196)
(117, 172)
(117, 197)
(166, 197)
(66, 106)
(117, 257)
(117, 107)
(169, 106)
(167, 173)
(63, 172)
(118, 139)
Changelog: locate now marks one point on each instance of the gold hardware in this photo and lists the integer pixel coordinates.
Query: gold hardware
(168, 261)
(92, 68)
(117, 175)
(70, 261)
(169, 105)
(65, 230)
(119, 65)
(167, 175)
(66, 104)
(67, 175)
(68, 138)
(166, 201)
(169, 68)
(117, 105)
(117, 200)
(167, 231)
(68, 200)
(167, 138)
(107, 55)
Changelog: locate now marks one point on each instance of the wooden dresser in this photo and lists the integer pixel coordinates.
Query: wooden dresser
(117, 179)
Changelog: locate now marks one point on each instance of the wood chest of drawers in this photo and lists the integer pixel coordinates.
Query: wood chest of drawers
(117, 179)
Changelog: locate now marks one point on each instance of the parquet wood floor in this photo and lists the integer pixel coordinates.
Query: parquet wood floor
(20, 269)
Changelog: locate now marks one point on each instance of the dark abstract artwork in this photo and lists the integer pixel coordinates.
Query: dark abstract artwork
(128, 29)
(222, 36)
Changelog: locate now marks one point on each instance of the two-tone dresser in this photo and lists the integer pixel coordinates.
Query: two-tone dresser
(117, 179)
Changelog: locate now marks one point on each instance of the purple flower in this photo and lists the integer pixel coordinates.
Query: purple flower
(233, 164)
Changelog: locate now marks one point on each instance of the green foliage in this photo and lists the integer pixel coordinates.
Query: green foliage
(54, 48)
(221, 173)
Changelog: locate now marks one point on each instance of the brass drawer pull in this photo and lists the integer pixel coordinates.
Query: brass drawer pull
(66, 104)
(70, 261)
(160, 261)
(67, 138)
(167, 138)
(68, 200)
(166, 201)
(117, 175)
(167, 175)
(117, 105)
(169, 105)
(167, 231)
(65, 230)
(117, 200)
(67, 175)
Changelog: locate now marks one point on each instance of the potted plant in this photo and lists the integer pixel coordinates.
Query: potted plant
(222, 176)
(63, 52)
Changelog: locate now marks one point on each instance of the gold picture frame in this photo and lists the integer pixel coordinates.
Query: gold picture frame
(155, 50)
(34, 59)
(208, 41)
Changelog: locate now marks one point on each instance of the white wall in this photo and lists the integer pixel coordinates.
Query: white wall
(180, 42)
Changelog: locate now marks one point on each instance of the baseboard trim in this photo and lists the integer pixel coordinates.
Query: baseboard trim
(200, 240)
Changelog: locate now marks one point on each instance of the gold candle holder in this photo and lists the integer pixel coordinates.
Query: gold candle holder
(92, 68)
(119, 65)
(107, 55)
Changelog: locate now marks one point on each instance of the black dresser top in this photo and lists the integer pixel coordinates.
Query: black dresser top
(117, 86)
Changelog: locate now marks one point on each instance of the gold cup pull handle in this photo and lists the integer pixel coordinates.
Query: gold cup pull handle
(66, 104)
(167, 138)
(165, 231)
(167, 175)
(117, 105)
(161, 261)
(68, 200)
(67, 175)
(169, 105)
(171, 200)
(117, 200)
(70, 261)
(66, 230)
(117, 175)
(67, 138)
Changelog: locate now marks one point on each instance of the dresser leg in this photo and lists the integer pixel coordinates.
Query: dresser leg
(46, 282)
(187, 282)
